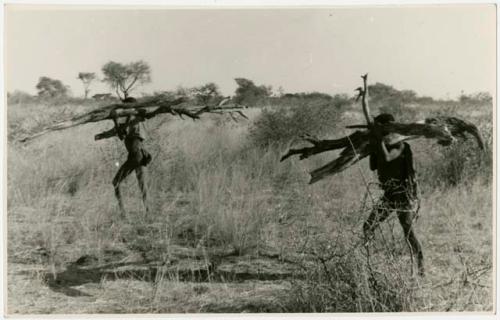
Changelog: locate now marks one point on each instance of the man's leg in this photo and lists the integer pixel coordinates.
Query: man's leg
(379, 213)
(136, 158)
(140, 172)
(406, 218)
(122, 173)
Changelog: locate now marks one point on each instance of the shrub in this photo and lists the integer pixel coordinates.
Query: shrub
(476, 98)
(460, 163)
(341, 278)
(207, 94)
(250, 94)
(283, 124)
(400, 112)
(19, 97)
(380, 92)
(48, 87)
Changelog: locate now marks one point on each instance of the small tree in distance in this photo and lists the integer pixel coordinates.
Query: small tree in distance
(123, 78)
(86, 78)
(207, 94)
(250, 94)
(48, 87)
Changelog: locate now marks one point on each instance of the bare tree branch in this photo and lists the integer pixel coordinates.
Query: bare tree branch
(364, 100)
(145, 108)
(356, 146)
(320, 146)
(445, 130)
(131, 84)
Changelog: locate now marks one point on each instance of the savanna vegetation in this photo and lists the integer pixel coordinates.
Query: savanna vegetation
(233, 229)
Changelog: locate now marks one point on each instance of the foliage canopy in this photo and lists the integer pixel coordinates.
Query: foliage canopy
(123, 78)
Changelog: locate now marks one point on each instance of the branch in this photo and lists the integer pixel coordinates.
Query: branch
(364, 100)
(132, 83)
(457, 127)
(445, 130)
(177, 108)
(118, 93)
(192, 112)
(347, 158)
(112, 132)
(105, 113)
(146, 108)
(320, 146)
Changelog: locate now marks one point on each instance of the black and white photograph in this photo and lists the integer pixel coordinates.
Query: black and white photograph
(260, 159)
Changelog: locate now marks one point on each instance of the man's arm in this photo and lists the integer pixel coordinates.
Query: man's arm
(394, 153)
(120, 129)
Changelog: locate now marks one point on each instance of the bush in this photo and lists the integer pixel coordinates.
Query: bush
(460, 163)
(341, 278)
(476, 98)
(19, 97)
(400, 112)
(250, 94)
(48, 87)
(283, 124)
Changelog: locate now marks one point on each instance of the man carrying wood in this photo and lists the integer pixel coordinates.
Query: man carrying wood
(396, 174)
(137, 157)
(391, 157)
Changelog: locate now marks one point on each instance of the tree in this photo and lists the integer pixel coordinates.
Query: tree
(380, 92)
(86, 78)
(250, 94)
(48, 87)
(123, 78)
(207, 94)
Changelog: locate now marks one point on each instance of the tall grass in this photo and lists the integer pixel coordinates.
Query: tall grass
(214, 183)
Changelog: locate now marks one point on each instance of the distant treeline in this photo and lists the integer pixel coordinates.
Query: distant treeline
(250, 94)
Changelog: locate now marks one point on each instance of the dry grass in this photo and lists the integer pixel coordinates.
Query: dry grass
(210, 189)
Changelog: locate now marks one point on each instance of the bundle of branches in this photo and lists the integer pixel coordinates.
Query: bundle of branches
(356, 146)
(146, 108)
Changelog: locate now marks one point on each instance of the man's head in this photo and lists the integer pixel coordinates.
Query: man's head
(384, 118)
